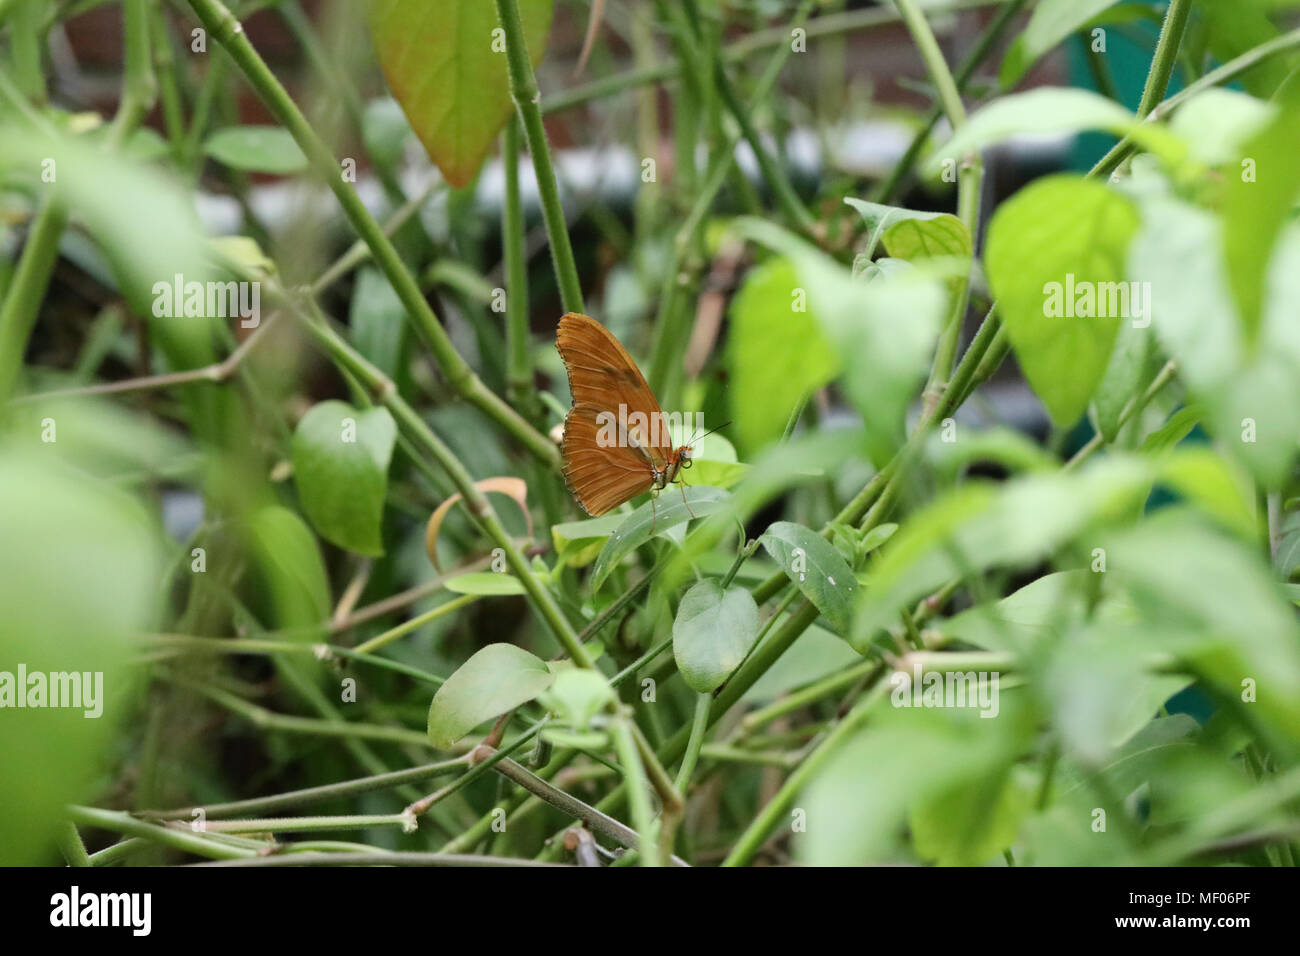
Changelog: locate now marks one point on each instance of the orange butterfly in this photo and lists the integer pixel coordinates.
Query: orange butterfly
(616, 442)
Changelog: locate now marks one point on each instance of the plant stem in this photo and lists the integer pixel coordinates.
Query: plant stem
(752, 840)
(222, 24)
(479, 507)
(139, 85)
(330, 791)
(27, 290)
(406, 627)
(928, 47)
(672, 312)
(979, 52)
(1133, 407)
(1166, 55)
(523, 89)
(174, 837)
(70, 845)
(402, 858)
(1224, 74)
(308, 824)
(638, 788)
(519, 363)
(699, 729)
(740, 51)
(268, 720)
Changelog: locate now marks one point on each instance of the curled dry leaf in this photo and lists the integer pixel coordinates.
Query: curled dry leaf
(515, 488)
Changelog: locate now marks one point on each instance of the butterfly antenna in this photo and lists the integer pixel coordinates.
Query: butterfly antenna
(708, 433)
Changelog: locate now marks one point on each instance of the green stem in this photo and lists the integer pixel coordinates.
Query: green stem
(751, 841)
(406, 627)
(524, 91)
(638, 788)
(330, 791)
(672, 314)
(140, 84)
(268, 720)
(403, 858)
(978, 53)
(928, 47)
(222, 25)
(1166, 56)
(309, 824)
(70, 845)
(519, 363)
(741, 51)
(27, 290)
(699, 729)
(792, 207)
(479, 507)
(1223, 74)
(178, 839)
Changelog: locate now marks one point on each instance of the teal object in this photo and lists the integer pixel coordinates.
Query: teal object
(1129, 48)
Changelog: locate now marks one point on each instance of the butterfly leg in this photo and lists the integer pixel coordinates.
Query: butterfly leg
(682, 486)
(654, 509)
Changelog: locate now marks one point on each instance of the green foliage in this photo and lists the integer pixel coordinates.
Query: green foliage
(892, 613)
(340, 465)
(496, 679)
(713, 631)
(1061, 234)
(446, 65)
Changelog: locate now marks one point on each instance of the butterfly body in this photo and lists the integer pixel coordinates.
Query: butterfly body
(616, 442)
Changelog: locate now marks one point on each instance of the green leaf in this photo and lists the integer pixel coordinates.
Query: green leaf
(909, 234)
(816, 569)
(384, 130)
(1052, 22)
(290, 568)
(484, 582)
(340, 465)
(1053, 110)
(377, 318)
(1224, 613)
(441, 66)
(1251, 397)
(1098, 689)
(1010, 525)
(858, 804)
(655, 517)
(256, 149)
(1056, 262)
(776, 352)
(577, 696)
(1233, 27)
(1127, 374)
(496, 679)
(972, 822)
(79, 572)
(1133, 764)
(577, 543)
(713, 631)
(1216, 123)
(883, 330)
(1255, 208)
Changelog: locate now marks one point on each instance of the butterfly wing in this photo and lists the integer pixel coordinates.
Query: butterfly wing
(603, 374)
(600, 474)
